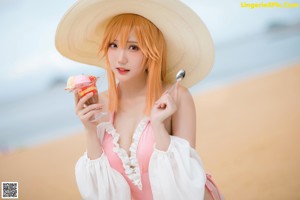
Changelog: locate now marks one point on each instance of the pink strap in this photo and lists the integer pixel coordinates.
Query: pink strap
(212, 188)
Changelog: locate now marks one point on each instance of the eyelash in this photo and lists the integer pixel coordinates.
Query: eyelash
(113, 45)
(134, 47)
(131, 47)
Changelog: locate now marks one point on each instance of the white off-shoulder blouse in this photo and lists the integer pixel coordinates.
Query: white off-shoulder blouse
(147, 173)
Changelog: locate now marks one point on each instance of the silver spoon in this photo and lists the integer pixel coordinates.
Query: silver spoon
(179, 76)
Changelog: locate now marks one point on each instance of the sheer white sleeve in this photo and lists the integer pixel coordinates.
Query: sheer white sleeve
(97, 180)
(177, 173)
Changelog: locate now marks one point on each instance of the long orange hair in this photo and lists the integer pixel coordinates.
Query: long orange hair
(152, 44)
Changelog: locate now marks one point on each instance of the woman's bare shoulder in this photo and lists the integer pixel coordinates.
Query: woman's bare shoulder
(182, 90)
(183, 95)
(184, 119)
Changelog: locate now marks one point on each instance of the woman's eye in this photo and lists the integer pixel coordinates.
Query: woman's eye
(113, 45)
(134, 48)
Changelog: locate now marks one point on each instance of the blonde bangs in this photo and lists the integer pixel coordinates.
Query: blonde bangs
(152, 44)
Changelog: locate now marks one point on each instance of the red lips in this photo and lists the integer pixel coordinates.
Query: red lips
(122, 71)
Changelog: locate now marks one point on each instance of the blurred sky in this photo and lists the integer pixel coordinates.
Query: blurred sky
(31, 104)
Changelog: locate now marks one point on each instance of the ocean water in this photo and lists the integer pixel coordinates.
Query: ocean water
(251, 55)
(35, 108)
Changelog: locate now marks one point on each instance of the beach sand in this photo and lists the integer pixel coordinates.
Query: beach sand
(248, 135)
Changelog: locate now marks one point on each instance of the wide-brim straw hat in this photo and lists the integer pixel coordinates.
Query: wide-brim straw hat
(189, 44)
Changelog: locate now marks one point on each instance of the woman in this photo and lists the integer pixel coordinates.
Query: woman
(145, 148)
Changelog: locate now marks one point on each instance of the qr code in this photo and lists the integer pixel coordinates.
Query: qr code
(9, 190)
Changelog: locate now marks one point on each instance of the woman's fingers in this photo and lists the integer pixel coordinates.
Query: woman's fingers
(166, 101)
(76, 97)
(163, 108)
(88, 116)
(80, 102)
(90, 108)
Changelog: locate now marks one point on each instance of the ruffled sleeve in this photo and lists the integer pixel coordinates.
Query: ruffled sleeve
(177, 173)
(97, 180)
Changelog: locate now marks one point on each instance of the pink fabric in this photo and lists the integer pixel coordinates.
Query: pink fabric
(144, 151)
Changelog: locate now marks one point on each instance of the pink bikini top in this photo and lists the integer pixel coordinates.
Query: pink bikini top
(133, 167)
